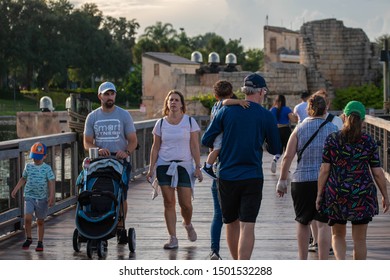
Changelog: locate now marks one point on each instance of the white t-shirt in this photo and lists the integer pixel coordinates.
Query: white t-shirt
(300, 111)
(175, 139)
(337, 121)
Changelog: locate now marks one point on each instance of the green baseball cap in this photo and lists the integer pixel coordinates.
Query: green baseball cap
(355, 107)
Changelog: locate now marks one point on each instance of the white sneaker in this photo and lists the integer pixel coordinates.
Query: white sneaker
(313, 247)
(273, 166)
(214, 256)
(172, 243)
(191, 233)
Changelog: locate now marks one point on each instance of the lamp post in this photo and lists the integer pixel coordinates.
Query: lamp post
(14, 86)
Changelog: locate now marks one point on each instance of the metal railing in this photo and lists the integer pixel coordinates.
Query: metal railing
(379, 129)
(64, 158)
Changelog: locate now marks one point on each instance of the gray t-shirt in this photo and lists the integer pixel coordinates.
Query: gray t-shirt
(308, 168)
(109, 129)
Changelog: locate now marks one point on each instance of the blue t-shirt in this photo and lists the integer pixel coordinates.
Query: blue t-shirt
(283, 118)
(37, 177)
(244, 133)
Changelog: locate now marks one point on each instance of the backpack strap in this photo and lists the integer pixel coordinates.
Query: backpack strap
(161, 122)
(161, 127)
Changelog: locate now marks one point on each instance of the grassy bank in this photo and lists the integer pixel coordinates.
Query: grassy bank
(9, 107)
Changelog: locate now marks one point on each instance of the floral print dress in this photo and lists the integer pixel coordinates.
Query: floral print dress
(350, 193)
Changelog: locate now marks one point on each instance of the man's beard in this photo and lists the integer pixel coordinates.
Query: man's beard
(109, 104)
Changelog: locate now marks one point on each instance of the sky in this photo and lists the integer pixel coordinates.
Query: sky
(245, 19)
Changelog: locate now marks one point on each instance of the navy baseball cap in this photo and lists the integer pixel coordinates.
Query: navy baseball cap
(254, 81)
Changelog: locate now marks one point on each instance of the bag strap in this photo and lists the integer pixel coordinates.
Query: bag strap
(330, 117)
(311, 139)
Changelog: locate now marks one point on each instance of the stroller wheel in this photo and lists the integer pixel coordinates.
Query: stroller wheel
(76, 241)
(131, 240)
(102, 249)
(89, 248)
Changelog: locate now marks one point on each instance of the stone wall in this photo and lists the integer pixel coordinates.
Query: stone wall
(286, 79)
(336, 56)
(31, 124)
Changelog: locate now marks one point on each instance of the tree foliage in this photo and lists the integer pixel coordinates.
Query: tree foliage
(46, 44)
(50, 37)
(381, 40)
(370, 95)
(162, 37)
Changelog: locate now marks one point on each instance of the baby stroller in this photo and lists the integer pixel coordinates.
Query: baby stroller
(100, 206)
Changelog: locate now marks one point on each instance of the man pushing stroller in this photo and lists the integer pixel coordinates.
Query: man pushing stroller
(111, 129)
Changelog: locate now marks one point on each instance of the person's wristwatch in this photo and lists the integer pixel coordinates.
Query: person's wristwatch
(128, 152)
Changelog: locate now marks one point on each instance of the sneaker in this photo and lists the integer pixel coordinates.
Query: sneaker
(39, 247)
(209, 171)
(313, 247)
(214, 256)
(191, 234)
(273, 166)
(27, 244)
(172, 243)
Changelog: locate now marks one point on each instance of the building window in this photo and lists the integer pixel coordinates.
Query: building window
(297, 44)
(273, 45)
(156, 69)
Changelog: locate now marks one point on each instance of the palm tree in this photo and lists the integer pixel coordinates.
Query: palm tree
(161, 34)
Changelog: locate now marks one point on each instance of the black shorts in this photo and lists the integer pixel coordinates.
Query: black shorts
(240, 199)
(357, 222)
(304, 196)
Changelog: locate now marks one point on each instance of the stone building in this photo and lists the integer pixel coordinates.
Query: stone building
(162, 72)
(323, 54)
(280, 45)
(332, 56)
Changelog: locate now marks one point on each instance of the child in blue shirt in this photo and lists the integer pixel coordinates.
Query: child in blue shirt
(37, 178)
(223, 92)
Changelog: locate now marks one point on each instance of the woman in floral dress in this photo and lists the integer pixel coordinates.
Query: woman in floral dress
(346, 189)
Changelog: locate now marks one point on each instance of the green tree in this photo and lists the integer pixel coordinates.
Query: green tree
(6, 10)
(161, 34)
(214, 43)
(380, 40)
(254, 60)
(144, 45)
(132, 87)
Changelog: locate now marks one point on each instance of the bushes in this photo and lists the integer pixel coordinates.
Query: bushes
(370, 95)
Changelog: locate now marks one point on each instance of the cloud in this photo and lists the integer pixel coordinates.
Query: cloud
(235, 19)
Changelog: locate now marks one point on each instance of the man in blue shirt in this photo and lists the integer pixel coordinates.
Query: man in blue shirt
(240, 171)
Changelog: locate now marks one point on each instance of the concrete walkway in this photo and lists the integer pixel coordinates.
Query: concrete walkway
(275, 230)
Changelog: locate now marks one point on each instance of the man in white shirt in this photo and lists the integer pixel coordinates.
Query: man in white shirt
(300, 109)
